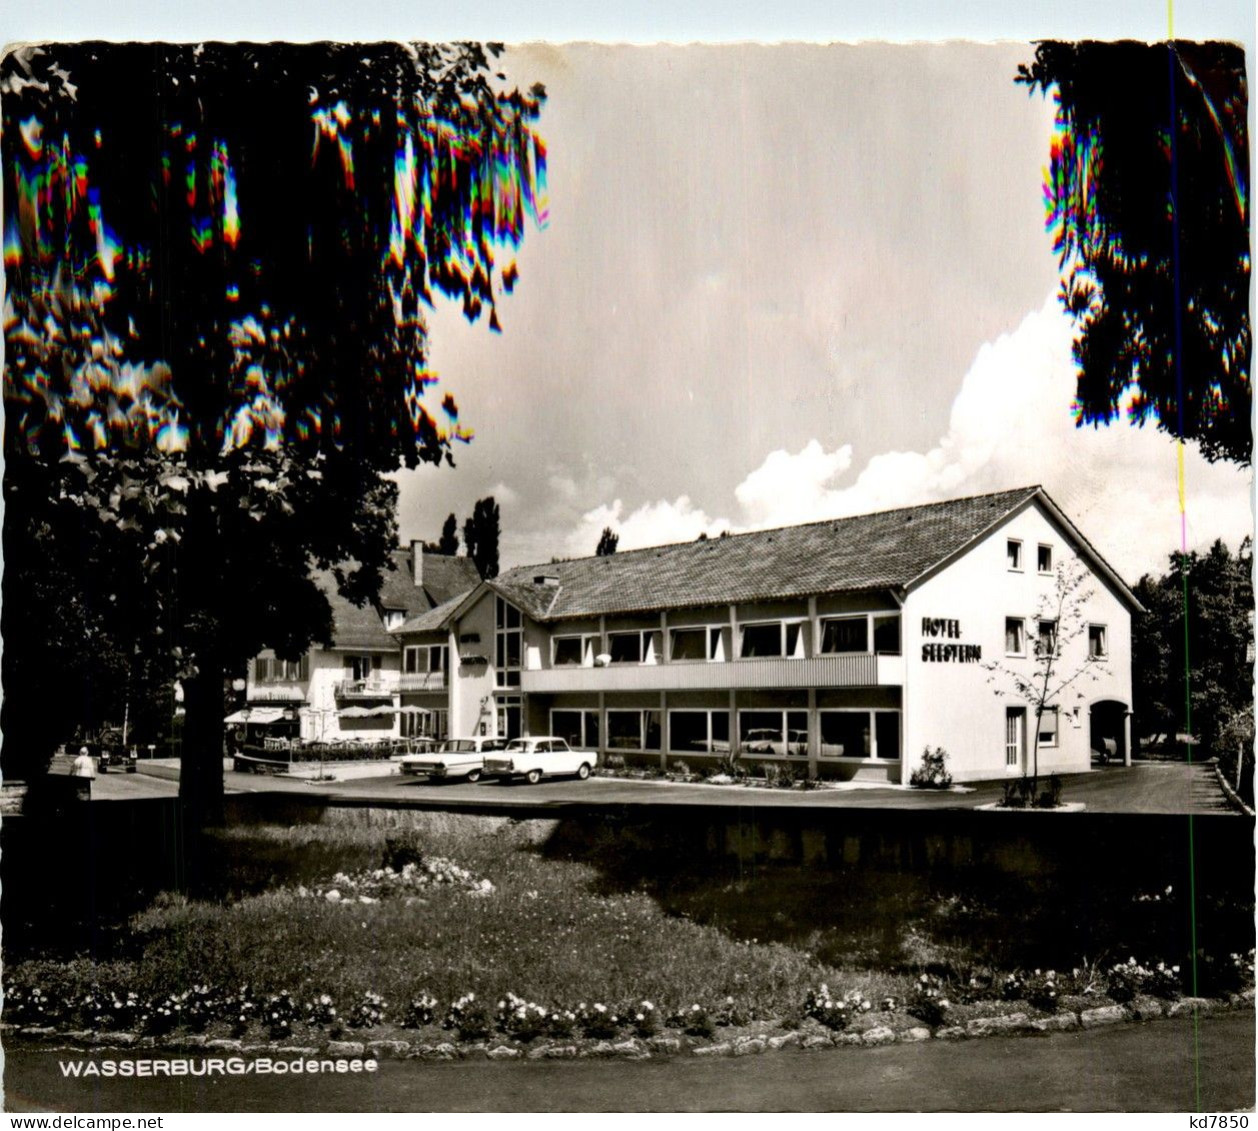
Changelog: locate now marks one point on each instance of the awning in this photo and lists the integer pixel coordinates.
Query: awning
(257, 716)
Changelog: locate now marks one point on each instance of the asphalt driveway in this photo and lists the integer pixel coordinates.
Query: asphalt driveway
(1147, 787)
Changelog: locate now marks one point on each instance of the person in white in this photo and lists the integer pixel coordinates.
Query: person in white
(84, 765)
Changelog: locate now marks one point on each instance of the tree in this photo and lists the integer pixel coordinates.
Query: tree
(607, 543)
(214, 330)
(1151, 228)
(1056, 669)
(480, 536)
(1192, 646)
(449, 544)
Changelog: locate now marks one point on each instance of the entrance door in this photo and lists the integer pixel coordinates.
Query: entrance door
(1015, 739)
(509, 718)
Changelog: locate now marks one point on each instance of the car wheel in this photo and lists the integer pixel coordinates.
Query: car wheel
(473, 775)
(583, 771)
(533, 776)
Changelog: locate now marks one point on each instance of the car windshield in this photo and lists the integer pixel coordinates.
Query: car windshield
(458, 745)
(518, 744)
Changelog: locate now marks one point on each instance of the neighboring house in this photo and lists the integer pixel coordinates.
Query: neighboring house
(846, 646)
(354, 689)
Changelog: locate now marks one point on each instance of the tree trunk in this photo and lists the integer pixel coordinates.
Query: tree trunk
(201, 761)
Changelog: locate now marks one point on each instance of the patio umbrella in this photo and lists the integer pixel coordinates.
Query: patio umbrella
(408, 710)
(377, 712)
(355, 712)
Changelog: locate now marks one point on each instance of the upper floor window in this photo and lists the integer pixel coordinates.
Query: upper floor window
(640, 647)
(701, 643)
(772, 638)
(360, 667)
(887, 635)
(1013, 553)
(1098, 642)
(575, 651)
(1046, 638)
(1015, 636)
(393, 619)
(845, 634)
(268, 669)
(508, 643)
(421, 658)
(1044, 558)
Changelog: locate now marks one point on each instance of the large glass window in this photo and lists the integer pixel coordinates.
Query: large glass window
(508, 644)
(579, 728)
(773, 732)
(701, 643)
(419, 659)
(774, 638)
(633, 730)
(575, 651)
(887, 635)
(698, 732)
(270, 669)
(846, 634)
(845, 734)
(887, 734)
(641, 647)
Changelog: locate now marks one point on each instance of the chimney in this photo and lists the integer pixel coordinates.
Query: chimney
(417, 561)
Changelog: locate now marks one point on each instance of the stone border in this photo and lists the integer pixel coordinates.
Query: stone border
(663, 1045)
(1229, 792)
(1064, 807)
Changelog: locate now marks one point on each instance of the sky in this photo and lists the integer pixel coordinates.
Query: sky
(786, 283)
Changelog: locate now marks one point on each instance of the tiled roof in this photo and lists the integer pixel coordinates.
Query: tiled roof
(434, 618)
(443, 579)
(867, 552)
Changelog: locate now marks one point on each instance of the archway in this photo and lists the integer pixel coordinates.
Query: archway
(1108, 731)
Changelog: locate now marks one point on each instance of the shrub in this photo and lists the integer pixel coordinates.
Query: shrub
(933, 772)
(927, 1002)
(1127, 979)
(837, 1013)
(279, 1014)
(644, 1018)
(1050, 796)
(680, 769)
(1042, 991)
(239, 1009)
(469, 1018)
(1165, 982)
(321, 1011)
(613, 761)
(401, 849)
(164, 1014)
(1012, 797)
(562, 1024)
(200, 1007)
(421, 1011)
(30, 1006)
(521, 1019)
(598, 1020)
(730, 1014)
(698, 1022)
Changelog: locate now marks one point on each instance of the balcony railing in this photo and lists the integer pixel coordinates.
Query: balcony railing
(364, 689)
(856, 670)
(422, 681)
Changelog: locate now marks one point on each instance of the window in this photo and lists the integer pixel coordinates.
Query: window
(845, 634)
(393, 619)
(578, 728)
(268, 669)
(634, 647)
(703, 643)
(420, 659)
(887, 635)
(1015, 732)
(575, 651)
(633, 730)
(1046, 640)
(1048, 727)
(775, 733)
(1098, 645)
(359, 667)
(698, 732)
(1044, 559)
(509, 717)
(508, 644)
(773, 638)
(1015, 636)
(845, 734)
(887, 734)
(1013, 551)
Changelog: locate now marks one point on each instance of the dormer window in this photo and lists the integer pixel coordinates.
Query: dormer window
(1013, 554)
(393, 619)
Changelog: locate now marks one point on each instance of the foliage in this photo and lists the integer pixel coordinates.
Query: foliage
(449, 544)
(1049, 797)
(421, 1011)
(598, 1020)
(480, 536)
(1126, 980)
(1197, 624)
(1014, 794)
(607, 543)
(933, 773)
(928, 1001)
(217, 368)
(470, 1017)
(370, 1011)
(279, 1013)
(1148, 199)
(837, 1012)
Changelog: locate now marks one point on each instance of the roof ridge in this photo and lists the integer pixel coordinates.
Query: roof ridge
(1027, 490)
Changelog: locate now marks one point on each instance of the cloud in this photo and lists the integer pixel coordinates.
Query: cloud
(1011, 426)
(652, 524)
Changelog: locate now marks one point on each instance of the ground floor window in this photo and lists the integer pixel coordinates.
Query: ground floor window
(578, 728)
(698, 732)
(435, 724)
(633, 730)
(1048, 727)
(773, 732)
(860, 734)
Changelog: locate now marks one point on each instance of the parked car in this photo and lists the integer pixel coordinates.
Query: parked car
(770, 742)
(453, 758)
(117, 758)
(536, 758)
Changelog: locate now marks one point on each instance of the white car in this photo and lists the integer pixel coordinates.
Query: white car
(453, 758)
(536, 758)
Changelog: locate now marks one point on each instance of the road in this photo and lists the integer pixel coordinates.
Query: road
(1148, 1067)
(1150, 787)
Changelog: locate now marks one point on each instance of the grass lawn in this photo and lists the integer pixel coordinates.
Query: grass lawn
(559, 928)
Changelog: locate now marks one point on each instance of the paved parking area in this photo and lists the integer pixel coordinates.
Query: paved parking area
(1153, 787)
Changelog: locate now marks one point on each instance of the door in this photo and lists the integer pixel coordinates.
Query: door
(1015, 739)
(509, 718)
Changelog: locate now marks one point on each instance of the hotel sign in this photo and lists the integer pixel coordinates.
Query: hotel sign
(948, 653)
